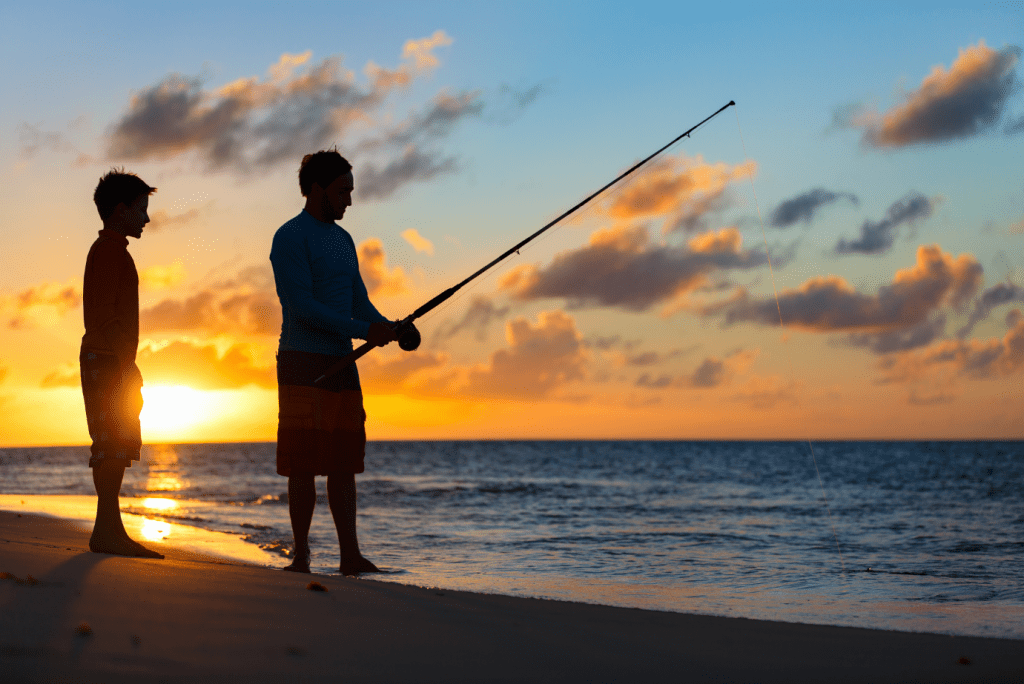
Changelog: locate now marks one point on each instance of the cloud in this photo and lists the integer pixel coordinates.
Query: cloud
(253, 124)
(540, 359)
(67, 375)
(162, 219)
(974, 358)
(374, 269)
(162, 277)
(679, 190)
(417, 241)
(202, 367)
(801, 209)
(963, 101)
(829, 304)
(245, 304)
(1014, 127)
(877, 237)
(1001, 293)
(381, 377)
(619, 268)
(375, 182)
(478, 318)
(421, 51)
(41, 304)
(712, 372)
(1017, 228)
(888, 341)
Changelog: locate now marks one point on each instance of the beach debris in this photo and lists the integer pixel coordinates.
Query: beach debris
(29, 579)
(83, 630)
(316, 586)
(295, 650)
(964, 660)
(136, 640)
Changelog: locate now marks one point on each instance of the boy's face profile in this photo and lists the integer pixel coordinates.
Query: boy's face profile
(129, 220)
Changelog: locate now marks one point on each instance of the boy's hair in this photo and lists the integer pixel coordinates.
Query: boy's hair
(116, 187)
(322, 168)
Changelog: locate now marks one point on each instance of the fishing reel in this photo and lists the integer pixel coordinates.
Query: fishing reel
(409, 337)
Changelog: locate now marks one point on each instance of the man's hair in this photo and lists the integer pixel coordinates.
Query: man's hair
(116, 187)
(322, 168)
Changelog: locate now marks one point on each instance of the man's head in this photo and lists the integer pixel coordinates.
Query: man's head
(122, 199)
(325, 179)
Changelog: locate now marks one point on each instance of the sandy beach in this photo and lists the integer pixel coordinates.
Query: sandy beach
(72, 614)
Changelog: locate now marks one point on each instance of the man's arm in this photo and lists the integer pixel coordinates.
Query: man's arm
(294, 279)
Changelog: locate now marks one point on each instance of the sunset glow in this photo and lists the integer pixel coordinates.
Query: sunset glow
(872, 158)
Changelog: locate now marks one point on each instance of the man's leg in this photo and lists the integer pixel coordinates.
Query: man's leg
(108, 533)
(341, 494)
(301, 502)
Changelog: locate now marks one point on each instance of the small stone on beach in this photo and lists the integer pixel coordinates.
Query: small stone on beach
(316, 586)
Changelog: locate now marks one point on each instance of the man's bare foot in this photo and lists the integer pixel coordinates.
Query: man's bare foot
(300, 563)
(356, 565)
(119, 545)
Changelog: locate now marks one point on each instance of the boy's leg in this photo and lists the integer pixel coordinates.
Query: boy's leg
(108, 533)
(341, 494)
(301, 502)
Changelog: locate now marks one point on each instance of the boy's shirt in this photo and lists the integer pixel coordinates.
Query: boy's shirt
(110, 298)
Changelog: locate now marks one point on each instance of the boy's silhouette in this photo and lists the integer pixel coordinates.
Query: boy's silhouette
(111, 382)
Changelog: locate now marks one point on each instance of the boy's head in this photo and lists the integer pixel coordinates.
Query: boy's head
(322, 168)
(118, 187)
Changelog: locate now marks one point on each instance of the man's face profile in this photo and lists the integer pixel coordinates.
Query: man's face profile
(129, 219)
(338, 197)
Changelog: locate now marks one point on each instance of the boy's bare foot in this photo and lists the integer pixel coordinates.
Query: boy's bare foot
(119, 545)
(300, 563)
(356, 565)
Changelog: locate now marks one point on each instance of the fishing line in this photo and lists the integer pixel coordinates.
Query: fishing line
(782, 325)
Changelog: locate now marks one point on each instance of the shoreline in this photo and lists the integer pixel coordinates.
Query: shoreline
(203, 619)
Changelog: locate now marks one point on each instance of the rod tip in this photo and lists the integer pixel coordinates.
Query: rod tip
(731, 103)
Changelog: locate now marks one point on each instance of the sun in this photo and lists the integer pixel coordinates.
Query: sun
(171, 411)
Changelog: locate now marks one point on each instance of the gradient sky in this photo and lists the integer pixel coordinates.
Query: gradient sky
(879, 160)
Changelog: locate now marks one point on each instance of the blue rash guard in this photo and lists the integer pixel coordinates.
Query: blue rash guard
(324, 301)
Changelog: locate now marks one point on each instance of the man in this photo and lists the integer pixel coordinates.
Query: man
(325, 305)
(111, 382)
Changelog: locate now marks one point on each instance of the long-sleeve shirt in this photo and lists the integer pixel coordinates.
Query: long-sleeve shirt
(110, 298)
(324, 302)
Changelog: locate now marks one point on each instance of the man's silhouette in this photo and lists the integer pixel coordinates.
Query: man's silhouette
(324, 305)
(111, 382)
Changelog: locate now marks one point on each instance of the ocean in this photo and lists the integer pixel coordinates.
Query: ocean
(913, 536)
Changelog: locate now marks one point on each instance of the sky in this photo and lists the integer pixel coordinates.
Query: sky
(838, 256)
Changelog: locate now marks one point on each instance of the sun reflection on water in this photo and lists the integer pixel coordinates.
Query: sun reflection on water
(164, 471)
(160, 504)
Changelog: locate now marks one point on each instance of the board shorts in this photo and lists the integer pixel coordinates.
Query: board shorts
(113, 401)
(321, 429)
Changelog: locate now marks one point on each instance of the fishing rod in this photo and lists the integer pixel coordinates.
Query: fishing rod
(409, 336)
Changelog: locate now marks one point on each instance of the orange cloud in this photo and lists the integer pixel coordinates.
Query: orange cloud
(245, 304)
(964, 100)
(619, 268)
(677, 189)
(42, 304)
(974, 358)
(162, 277)
(540, 359)
(202, 367)
(382, 377)
(373, 267)
(418, 242)
(826, 304)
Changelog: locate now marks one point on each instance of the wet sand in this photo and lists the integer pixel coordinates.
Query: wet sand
(93, 617)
